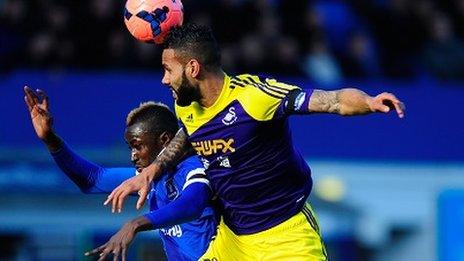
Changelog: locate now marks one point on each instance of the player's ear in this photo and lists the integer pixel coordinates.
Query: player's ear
(194, 68)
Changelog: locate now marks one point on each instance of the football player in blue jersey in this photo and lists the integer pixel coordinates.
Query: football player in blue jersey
(239, 126)
(181, 194)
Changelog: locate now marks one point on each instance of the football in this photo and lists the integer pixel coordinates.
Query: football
(151, 20)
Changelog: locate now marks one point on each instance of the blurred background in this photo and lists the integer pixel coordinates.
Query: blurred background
(385, 188)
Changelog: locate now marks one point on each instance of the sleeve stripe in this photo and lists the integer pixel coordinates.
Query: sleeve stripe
(235, 82)
(196, 180)
(282, 86)
(196, 176)
(270, 88)
(195, 172)
(278, 96)
(275, 89)
(268, 91)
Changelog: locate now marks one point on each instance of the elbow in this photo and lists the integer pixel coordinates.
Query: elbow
(85, 190)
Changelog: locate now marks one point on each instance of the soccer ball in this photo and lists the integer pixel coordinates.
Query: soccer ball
(151, 20)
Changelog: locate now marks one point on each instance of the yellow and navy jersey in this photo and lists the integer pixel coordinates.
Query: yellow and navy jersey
(245, 142)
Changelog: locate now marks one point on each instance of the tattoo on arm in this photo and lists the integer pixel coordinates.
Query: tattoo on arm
(175, 151)
(325, 101)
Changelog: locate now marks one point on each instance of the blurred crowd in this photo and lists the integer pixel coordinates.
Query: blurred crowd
(325, 40)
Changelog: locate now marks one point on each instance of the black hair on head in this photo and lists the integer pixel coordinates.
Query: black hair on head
(195, 41)
(156, 115)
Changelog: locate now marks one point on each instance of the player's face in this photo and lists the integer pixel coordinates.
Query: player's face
(143, 145)
(183, 91)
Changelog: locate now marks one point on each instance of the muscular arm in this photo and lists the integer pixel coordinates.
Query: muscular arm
(353, 102)
(170, 156)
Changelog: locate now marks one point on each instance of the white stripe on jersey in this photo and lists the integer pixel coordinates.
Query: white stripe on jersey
(195, 172)
(195, 180)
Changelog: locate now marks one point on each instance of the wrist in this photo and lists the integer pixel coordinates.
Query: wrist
(152, 171)
(370, 101)
(139, 224)
(53, 142)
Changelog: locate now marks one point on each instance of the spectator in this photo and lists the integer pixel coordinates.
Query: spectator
(360, 59)
(443, 53)
(320, 66)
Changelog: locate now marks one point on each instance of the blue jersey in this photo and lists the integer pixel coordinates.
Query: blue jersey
(186, 241)
(259, 176)
(190, 240)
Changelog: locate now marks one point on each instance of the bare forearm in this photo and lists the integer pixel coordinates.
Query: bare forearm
(176, 149)
(140, 224)
(169, 157)
(354, 102)
(343, 102)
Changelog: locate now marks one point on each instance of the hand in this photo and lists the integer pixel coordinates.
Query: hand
(42, 120)
(385, 102)
(117, 245)
(140, 183)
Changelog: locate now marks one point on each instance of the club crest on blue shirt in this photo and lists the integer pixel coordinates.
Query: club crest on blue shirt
(171, 191)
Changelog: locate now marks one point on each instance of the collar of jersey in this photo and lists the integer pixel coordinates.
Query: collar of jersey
(202, 115)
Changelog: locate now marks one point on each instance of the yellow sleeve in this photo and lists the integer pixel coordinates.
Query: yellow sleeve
(261, 98)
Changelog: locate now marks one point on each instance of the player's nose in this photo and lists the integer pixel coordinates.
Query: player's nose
(165, 80)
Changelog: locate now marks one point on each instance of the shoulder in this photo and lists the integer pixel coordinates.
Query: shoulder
(190, 163)
(184, 111)
(190, 167)
(260, 96)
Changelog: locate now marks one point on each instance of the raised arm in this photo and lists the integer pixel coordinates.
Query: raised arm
(167, 158)
(88, 176)
(353, 102)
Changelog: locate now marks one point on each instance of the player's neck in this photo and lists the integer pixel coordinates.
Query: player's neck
(211, 88)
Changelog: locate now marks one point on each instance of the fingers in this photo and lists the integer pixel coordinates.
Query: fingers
(143, 193)
(32, 96)
(389, 100)
(123, 254)
(117, 198)
(95, 251)
(400, 109)
(103, 255)
(28, 103)
(110, 197)
(116, 254)
(120, 200)
(44, 98)
(29, 98)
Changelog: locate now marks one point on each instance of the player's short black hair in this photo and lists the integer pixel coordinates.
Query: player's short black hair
(195, 41)
(158, 117)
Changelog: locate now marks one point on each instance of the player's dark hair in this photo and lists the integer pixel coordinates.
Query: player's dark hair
(158, 117)
(195, 41)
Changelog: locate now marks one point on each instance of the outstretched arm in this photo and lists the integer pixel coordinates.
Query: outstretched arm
(353, 102)
(187, 207)
(88, 176)
(168, 157)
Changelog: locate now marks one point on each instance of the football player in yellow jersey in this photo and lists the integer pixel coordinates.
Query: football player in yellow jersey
(239, 126)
